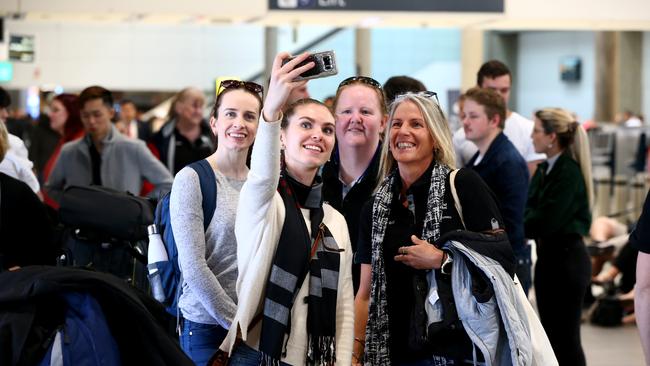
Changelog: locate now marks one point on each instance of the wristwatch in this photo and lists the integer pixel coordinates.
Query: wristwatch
(445, 268)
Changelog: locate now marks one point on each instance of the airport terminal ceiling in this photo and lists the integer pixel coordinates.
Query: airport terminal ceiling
(516, 15)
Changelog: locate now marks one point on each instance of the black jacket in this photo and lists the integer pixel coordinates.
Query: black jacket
(350, 206)
(31, 311)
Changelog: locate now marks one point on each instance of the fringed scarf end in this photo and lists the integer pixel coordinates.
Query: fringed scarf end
(322, 351)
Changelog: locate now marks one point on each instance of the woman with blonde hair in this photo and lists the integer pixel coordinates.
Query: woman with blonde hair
(557, 216)
(350, 176)
(401, 236)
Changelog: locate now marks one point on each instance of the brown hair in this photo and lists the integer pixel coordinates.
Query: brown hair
(217, 101)
(291, 109)
(492, 103)
(95, 92)
(492, 69)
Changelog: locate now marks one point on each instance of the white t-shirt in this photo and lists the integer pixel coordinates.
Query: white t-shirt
(518, 129)
(18, 147)
(16, 163)
(20, 168)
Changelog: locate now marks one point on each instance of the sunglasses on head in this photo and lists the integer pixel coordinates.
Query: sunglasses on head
(426, 94)
(361, 79)
(237, 84)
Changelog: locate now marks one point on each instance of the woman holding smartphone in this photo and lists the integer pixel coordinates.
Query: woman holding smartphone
(294, 255)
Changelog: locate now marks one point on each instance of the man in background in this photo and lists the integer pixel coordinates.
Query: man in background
(133, 127)
(502, 168)
(105, 157)
(496, 75)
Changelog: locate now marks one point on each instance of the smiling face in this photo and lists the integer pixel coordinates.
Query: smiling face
(58, 116)
(308, 139)
(237, 120)
(410, 140)
(359, 116)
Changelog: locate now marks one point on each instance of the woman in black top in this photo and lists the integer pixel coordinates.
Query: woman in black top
(557, 216)
(26, 236)
(350, 176)
(412, 209)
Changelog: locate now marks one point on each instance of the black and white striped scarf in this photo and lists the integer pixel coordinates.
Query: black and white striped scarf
(377, 330)
(296, 255)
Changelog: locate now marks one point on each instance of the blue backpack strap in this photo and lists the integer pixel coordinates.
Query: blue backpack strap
(208, 182)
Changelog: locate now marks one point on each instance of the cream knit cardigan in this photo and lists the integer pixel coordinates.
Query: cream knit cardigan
(260, 216)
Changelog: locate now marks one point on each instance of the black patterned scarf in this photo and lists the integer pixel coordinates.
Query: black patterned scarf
(377, 330)
(296, 255)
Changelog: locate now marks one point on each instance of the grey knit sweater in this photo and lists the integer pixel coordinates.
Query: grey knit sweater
(208, 260)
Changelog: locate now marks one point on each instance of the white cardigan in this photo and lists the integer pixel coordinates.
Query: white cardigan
(260, 217)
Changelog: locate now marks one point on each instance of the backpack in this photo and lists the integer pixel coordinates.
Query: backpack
(85, 337)
(169, 271)
(608, 312)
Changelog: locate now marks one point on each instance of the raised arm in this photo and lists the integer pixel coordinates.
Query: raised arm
(257, 195)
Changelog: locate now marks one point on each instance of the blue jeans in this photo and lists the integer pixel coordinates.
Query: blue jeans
(201, 341)
(244, 355)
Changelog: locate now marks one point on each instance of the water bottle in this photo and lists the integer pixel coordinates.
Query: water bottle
(157, 253)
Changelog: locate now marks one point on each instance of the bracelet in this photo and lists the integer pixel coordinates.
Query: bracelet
(443, 259)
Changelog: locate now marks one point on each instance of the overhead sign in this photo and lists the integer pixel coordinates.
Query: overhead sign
(492, 6)
(21, 48)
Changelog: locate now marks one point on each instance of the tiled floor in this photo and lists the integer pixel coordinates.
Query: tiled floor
(618, 346)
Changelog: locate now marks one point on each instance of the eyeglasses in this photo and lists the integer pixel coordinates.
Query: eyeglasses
(360, 79)
(237, 84)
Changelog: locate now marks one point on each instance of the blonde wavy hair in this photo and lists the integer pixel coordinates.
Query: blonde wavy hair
(437, 125)
(571, 137)
(4, 140)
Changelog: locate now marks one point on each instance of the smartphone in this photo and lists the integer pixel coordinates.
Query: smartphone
(325, 65)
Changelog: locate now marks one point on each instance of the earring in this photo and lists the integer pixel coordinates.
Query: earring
(550, 146)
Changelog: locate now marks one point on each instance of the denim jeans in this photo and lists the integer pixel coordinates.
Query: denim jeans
(244, 355)
(201, 341)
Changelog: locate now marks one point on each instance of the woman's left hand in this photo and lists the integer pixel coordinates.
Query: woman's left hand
(421, 255)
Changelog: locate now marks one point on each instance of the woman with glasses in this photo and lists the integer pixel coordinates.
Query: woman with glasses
(208, 258)
(557, 216)
(400, 240)
(295, 300)
(351, 174)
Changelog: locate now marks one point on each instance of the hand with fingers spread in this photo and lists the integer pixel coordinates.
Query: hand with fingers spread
(282, 83)
(421, 255)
